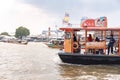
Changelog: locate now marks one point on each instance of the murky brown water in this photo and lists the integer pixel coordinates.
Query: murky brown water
(36, 61)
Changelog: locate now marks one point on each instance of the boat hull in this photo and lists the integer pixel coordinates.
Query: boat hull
(89, 59)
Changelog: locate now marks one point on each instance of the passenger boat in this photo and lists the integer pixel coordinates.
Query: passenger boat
(72, 52)
(55, 43)
(23, 42)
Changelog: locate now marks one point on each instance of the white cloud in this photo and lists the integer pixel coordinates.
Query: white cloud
(18, 14)
(33, 18)
(14, 14)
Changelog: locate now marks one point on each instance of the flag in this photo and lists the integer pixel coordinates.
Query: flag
(66, 18)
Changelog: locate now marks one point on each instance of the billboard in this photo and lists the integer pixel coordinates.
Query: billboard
(98, 22)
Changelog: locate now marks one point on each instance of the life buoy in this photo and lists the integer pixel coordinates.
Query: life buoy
(75, 45)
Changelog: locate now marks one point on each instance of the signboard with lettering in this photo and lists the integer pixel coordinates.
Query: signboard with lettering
(99, 22)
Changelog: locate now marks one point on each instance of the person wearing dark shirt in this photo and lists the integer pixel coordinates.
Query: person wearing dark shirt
(97, 39)
(99, 50)
(111, 44)
(74, 38)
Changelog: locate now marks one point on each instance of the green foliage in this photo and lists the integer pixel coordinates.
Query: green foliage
(21, 31)
(4, 33)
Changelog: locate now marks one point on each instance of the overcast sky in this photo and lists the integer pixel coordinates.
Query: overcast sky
(38, 15)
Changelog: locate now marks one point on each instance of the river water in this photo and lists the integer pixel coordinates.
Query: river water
(36, 61)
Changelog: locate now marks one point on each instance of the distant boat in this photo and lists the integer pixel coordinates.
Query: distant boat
(25, 42)
(55, 43)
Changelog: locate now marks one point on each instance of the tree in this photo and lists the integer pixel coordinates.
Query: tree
(4, 33)
(21, 31)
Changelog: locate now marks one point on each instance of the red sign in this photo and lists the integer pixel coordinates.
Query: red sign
(99, 22)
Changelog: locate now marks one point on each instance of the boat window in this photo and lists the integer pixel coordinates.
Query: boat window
(67, 35)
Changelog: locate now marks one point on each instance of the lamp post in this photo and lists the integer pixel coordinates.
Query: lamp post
(56, 31)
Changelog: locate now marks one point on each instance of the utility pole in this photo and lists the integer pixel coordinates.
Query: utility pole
(56, 31)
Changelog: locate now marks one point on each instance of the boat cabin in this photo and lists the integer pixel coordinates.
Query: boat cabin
(72, 43)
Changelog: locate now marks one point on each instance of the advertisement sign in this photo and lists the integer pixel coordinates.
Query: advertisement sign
(99, 22)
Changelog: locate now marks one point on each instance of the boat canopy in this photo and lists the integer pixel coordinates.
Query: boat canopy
(91, 28)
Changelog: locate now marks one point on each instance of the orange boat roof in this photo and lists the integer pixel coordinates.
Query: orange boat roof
(70, 29)
(91, 28)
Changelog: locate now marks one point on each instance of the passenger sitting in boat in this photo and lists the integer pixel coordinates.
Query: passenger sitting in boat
(90, 39)
(97, 39)
(99, 50)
